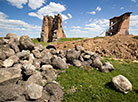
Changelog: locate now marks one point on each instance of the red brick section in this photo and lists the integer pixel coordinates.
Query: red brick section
(52, 29)
(119, 25)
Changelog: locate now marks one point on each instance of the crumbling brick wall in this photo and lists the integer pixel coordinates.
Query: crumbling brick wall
(119, 24)
(52, 29)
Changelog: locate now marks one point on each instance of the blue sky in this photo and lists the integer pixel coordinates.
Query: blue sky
(81, 18)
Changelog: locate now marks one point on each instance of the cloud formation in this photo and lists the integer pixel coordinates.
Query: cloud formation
(51, 10)
(133, 1)
(17, 26)
(33, 4)
(98, 9)
(17, 3)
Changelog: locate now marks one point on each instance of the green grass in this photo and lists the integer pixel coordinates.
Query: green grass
(36, 40)
(135, 37)
(68, 39)
(95, 86)
(0, 38)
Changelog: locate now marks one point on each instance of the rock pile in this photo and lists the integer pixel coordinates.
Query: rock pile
(28, 71)
(117, 46)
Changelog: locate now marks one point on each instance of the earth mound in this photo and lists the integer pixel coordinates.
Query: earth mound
(118, 46)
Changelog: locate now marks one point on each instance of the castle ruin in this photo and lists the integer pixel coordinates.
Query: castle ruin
(52, 28)
(119, 25)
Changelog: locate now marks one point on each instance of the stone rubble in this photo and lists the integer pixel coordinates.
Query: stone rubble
(33, 69)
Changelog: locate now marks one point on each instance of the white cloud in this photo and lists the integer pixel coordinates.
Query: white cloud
(19, 27)
(98, 8)
(133, 24)
(93, 12)
(17, 3)
(121, 8)
(69, 15)
(33, 4)
(76, 27)
(2, 15)
(133, 1)
(51, 10)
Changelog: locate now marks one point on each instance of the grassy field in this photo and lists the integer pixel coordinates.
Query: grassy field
(95, 86)
(36, 40)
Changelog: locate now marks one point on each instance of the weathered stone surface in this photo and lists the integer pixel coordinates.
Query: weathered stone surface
(24, 55)
(37, 54)
(59, 63)
(107, 67)
(5, 52)
(10, 92)
(122, 84)
(52, 28)
(12, 36)
(72, 54)
(97, 63)
(55, 91)
(79, 48)
(34, 91)
(14, 46)
(26, 43)
(9, 74)
(46, 59)
(28, 69)
(35, 78)
(8, 63)
(77, 63)
(49, 73)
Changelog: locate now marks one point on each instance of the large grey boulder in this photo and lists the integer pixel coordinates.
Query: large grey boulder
(46, 57)
(72, 54)
(122, 84)
(37, 54)
(77, 63)
(35, 78)
(48, 72)
(14, 46)
(7, 74)
(59, 63)
(107, 67)
(26, 43)
(97, 63)
(10, 92)
(24, 55)
(5, 52)
(55, 91)
(8, 63)
(33, 91)
(12, 36)
(28, 69)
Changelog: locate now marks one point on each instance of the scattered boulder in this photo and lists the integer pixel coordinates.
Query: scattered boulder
(122, 84)
(48, 72)
(26, 43)
(97, 63)
(24, 55)
(12, 36)
(10, 92)
(28, 69)
(107, 67)
(72, 54)
(8, 63)
(59, 63)
(37, 54)
(7, 74)
(77, 63)
(55, 91)
(34, 91)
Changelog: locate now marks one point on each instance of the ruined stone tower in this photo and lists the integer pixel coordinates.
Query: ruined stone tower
(119, 24)
(52, 28)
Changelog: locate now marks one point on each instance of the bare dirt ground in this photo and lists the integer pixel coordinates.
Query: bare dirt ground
(118, 46)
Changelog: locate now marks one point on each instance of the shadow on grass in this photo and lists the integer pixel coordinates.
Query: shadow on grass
(109, 85)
